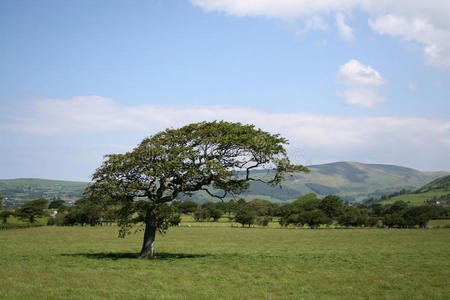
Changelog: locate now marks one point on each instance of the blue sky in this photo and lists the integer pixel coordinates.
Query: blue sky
(356, 80)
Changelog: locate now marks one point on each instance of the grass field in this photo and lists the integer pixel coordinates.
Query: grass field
(415, 199)
(188, 221)
(14, 222)
(440, 223)
(224, 262)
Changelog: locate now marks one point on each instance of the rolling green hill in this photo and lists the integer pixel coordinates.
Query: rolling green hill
(437, 190)
(350, 180)
(17, 191)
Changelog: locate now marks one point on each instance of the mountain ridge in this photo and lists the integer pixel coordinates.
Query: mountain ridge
(353, 181)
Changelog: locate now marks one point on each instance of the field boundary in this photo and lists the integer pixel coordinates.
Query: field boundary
(3, 227)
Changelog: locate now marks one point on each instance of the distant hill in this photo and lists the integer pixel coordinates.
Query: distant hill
(350, 180)
(440, 184)
(17, 191)
(437, 191)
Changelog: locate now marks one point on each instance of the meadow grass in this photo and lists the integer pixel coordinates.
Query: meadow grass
(440, 223)
(416, 199)
(226, 263)
(14, 222)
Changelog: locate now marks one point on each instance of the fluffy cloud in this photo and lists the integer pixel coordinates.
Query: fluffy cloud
(424, 22)
(345, 31)
(362, 84)
(285, 9)
(314, 138)
(436, 10)
(314, 23)
(360, 97)
(355, 73)
(435, 41)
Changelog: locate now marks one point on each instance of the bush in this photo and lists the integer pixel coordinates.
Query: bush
(409, 217)
(4, 215)
(394, 220)
(417, 216)
(201, 215)
(245, 216)
(60, 219)
(315, 218)
(56, 204)
(371, 222)
(349, 217)
(51, 221)
(263, 221)
(362, 220)
(175, 220)
(215, 214)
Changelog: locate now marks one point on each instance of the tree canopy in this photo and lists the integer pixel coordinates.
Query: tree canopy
(32, 210)
(216, 157)
(55, 204)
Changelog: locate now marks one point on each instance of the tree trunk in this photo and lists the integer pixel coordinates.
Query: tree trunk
(148, 250)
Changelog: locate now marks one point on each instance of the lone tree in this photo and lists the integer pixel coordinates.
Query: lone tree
(32, 210)
(216, 157)
(245, 216)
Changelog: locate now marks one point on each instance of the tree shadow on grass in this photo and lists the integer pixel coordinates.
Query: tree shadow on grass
(134, 255)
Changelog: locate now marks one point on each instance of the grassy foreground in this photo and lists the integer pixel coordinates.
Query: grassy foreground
(224, 262)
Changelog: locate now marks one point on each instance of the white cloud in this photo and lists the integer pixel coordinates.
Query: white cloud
(285, 9)
(362, 84)
(314, 23)
(355, 73)
(360, 97)
(425, 22)
(436, 10)
(384, 139)
(345, 31)
(435, 41)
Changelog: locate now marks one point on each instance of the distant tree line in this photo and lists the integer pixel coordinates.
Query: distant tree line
(92, 212)
(443, 199)
(29, 211)
(311, 211)
(307, 210)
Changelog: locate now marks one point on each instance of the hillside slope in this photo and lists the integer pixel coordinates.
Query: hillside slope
(438, 191)
(350, 180)
(16, 191)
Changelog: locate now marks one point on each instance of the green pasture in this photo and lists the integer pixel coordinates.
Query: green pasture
(222, 262)
(439, 223)
(16, 222)
(188, 221)
(415, 199)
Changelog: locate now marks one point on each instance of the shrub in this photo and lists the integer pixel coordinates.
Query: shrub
(201, 215)
(51, 221)
(263, 221)
(245, 216)
(371, 222)
(175, 220)
(4, 215)
(315, 218)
